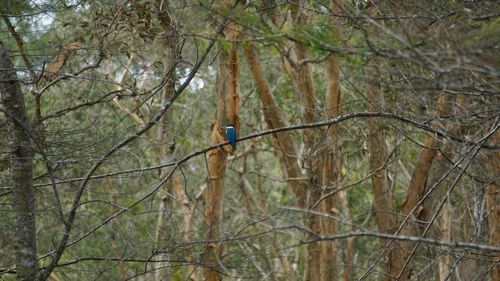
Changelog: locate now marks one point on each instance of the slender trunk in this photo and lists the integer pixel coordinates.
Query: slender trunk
(187, 210)
(442, 228)
(115, 243)
(427, 210)
(313, 153)
(348, 246)
(249, 202)
(418, 182)
(287, 268)
(492, 167)
(382, 196)
(445, 263)
(213, 211)
(274, 119)
(228, 99)
(466, 226)
(165, 146)
(21, 168)
(332, 164)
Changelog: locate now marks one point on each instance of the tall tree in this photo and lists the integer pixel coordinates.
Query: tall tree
(165, 138)
(21, 169)
(332, 164)
(228, 106)
(492, 168)
(313, 151)
(383, 200)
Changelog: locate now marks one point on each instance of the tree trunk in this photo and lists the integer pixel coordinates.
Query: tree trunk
(442, 227)
(187, 210)
(492, 167)
(115, 243)
(428, 209)
(348, 245)
(417, 185)
(445, 263)
(21, 169)
(228, 105)
(418, 182)
(332, 163)
(313, 153)
(274, 119)
(165, 146)
(383, 201)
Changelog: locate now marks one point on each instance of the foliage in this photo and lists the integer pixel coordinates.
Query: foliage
(420, 52)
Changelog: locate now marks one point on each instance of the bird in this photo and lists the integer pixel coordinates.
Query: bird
(231, 135)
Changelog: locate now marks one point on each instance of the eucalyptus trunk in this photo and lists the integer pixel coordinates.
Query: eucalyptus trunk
(383, 200)
(228, 106)
(165, 145)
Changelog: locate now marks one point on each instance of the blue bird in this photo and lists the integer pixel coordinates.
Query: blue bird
(231, 135)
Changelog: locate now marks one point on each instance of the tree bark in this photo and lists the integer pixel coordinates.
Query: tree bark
(427, 209)
(445, 263)
(228, 106)
(115, 243)
(383, 201)
(492, 167)
(313, 154)
(332, 164)
(188, 211)
(274, 119)
(165, 145)
(418, 182)
(21, 169)
(417, 185)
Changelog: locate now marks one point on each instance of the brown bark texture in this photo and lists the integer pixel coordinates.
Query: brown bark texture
(439, 165)
(228, 105)
(313, 154)
(383, 201)
(60, 60)
(417, 185)
(445, 263)
(274, 119)
(187, 209)
(21, 169)
(332, 163)
(418, 182)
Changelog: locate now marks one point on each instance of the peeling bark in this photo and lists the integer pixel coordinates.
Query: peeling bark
(228, 99)
(60, 60)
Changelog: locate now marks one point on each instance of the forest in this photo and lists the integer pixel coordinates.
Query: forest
(212, 140)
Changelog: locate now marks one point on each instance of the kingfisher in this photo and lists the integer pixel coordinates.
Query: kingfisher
(231, 135)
